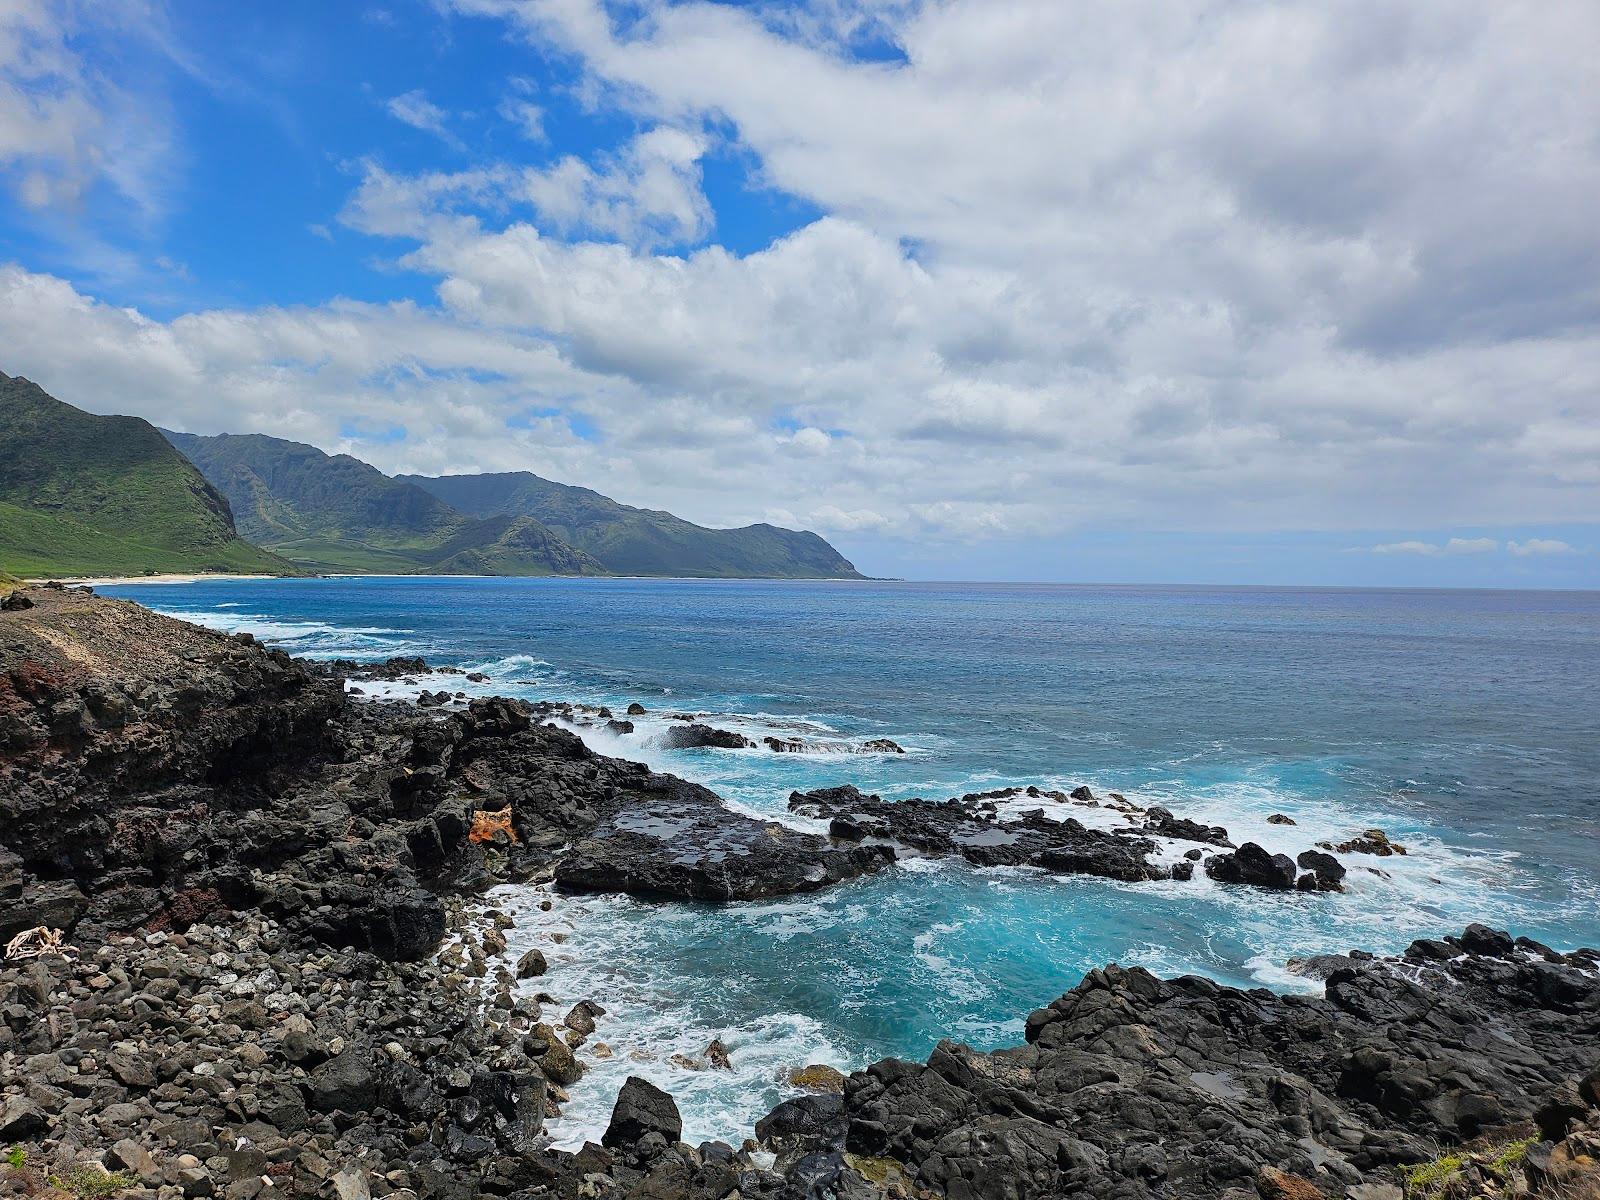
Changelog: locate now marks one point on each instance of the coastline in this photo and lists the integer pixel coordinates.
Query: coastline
(371, 818)
(165, 578)
(207, 577)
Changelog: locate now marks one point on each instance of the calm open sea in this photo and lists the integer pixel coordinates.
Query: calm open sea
(1466, 724)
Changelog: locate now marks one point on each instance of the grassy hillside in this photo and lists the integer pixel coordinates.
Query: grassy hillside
(511, 546)
(337, 513)
(284, 491)
(637, 541)
(87, 494)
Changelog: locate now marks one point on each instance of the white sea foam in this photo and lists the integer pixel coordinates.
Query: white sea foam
(656, 1025)
(309, 639)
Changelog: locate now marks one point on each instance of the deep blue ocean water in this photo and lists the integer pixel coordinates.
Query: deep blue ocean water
(1465, 724)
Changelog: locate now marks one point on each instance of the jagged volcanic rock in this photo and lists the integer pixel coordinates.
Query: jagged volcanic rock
(958, 828)
(1130, 1085)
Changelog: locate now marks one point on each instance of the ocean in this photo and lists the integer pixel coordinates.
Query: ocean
(1466, 724)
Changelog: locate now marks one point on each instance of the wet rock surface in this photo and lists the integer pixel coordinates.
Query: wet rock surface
(1131, 1085)
(680, 842)
(265, 983)
(962, 829)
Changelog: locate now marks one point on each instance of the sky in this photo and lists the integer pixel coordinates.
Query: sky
(1153, 291)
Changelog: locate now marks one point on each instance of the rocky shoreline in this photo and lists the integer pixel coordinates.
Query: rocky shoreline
(242, 961)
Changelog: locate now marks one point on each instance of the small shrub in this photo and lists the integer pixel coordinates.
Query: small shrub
(1511, 1155)
(16, 1158)
(1429, 1180)
(86, 1183)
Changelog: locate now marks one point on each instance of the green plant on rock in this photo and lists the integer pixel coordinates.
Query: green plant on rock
(1511, 1155)
(86, 1183)
(1431, 1180)
(16, 1158)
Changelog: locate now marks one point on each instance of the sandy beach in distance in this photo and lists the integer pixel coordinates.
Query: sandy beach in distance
(196, 577)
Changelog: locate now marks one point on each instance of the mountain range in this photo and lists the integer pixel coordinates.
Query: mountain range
(85, 494)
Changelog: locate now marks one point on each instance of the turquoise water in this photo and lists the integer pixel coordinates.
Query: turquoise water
(1466, 724)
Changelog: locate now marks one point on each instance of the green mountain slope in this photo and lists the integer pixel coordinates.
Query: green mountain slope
(637, 541)
(282, 491)
(511, 546)
(87, 494)
(332, 512)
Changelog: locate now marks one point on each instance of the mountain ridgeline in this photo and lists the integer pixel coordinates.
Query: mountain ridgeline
(332, 512)
(87, 494)
(638, 541)
(337, 513)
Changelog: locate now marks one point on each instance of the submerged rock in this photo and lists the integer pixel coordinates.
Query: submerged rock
(818, 1077)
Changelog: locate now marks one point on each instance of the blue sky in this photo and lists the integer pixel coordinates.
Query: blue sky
(1011, 289)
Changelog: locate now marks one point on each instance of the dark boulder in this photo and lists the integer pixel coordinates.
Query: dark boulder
(1325, 871)
(691, 737)
(343, 1084)
(1252, 864)
(641, 1109)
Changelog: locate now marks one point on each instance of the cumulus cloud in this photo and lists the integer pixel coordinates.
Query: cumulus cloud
(1541, 546)
(1454, 546)
(647, 194)
(862, 520)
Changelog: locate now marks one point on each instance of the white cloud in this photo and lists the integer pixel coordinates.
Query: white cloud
(522, 112)
(1541, 546)
(1407, 548)
(833, 519)
(413, 108)
(811, 441)
(647, 194)
(66, 127)
(1454, 546)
